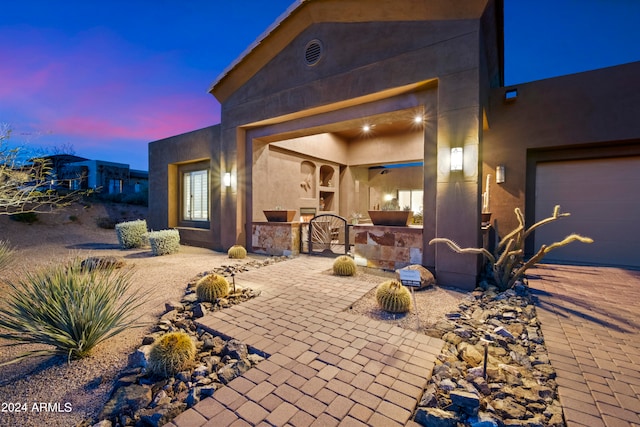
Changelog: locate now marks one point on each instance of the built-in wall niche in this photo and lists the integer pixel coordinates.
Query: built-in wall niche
(326, 176)
(327, 198)
(307, 180)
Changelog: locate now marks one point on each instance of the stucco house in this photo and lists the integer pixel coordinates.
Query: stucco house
(342, 105)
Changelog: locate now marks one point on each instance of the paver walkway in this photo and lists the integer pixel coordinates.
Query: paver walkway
(327, 367)
(591, 324)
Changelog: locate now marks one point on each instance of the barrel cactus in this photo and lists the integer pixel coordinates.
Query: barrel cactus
(237, 252)
(211, 287)
(344, 266)
(393, 297)
(171, 353)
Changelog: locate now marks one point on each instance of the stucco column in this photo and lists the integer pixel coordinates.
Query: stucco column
(458, 192)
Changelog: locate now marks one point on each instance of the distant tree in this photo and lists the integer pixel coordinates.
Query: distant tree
(27, 184)
(63, 149)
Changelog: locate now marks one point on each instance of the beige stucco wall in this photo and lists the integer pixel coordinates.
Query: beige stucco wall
(166, 156)
(444, 53)
(585, 115)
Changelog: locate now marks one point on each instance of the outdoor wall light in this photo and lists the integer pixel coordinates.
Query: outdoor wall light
(457, 157)
(226, 179)
(500, 174)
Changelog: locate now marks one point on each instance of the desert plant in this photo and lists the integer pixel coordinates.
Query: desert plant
(393, 297)
(344, 266)
(26, 217)
(171, 353)
(98, 262)
(132, 234)
(164, 242)
(106, 223)
(507, 261)
(237, 252)
(211, 287)
(68, 307)
(6, 254)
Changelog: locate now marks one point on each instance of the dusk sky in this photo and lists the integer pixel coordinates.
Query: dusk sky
(107, 77)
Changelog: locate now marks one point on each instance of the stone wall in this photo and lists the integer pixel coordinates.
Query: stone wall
(275, 238)
(388, 248)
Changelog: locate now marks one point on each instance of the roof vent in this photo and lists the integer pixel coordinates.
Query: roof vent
(313, 52)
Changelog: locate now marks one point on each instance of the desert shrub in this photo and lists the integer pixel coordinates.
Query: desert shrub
(26, 217)
(132, 234)
(102, 262)
(393, 297)
(171, 353)
(507, 262)
(6, 254)
(73, 218)
(237, 252)
(105, 222)
(68, 307)
(164, 242)
(344, 266)
(211, 287)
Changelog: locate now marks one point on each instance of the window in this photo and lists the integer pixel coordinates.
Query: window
(411, 198)
(115, 186)
(195, 203)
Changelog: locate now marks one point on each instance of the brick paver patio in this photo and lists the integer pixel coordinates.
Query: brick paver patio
(327, 367)
(591, 324)
(331, 368)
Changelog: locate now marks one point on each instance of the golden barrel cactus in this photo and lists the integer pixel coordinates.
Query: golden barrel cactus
(171, 353)
(344, 266)
(237, 252)
(393, 297)
(211, 287)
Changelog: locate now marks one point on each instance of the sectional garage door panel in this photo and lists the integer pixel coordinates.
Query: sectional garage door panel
(603, 197)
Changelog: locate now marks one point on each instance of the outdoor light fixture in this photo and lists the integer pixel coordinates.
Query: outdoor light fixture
(500, 174)
(417, 119)
(226, 180)
(456, 159)
(366, 128)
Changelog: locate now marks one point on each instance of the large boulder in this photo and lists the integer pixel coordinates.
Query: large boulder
(426, 277)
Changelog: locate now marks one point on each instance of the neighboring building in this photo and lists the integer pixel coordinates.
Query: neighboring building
(112, 178)
(427, 77)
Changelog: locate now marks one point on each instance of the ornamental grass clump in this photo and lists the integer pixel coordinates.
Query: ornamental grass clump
(164, 242)
(171, 353)
(344, 266)
(68, 307)
(237, 252)
(211, 287)
(132, 234)
(393, 297)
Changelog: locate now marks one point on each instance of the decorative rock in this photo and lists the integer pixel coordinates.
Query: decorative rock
(426, 277)
(236, 349)
(139, 358)
(127, 400)
(434, 417)
(483, 420)
(199, 310)
(470, 354)
(446, 385)
(503, 333)
(103, 423)
(509, 408)
(466, 402)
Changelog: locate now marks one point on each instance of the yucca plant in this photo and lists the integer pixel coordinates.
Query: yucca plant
(68, 307)
(6, 254)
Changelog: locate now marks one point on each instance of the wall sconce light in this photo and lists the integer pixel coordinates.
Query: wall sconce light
(457, 157)
(500, 174)
(226, 179)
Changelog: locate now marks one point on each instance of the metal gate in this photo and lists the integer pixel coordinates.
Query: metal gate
(328, 234)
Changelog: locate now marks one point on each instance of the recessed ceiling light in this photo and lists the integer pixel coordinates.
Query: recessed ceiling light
(417, 119)
(366, 128)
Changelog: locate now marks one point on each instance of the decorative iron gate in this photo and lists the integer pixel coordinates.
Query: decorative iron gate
(328, 234)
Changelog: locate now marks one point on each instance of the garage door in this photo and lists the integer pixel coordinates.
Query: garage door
(603, 197)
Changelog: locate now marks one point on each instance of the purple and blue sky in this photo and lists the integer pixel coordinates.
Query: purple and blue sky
(108, 76)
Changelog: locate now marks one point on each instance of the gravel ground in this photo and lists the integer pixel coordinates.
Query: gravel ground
(74, 393)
